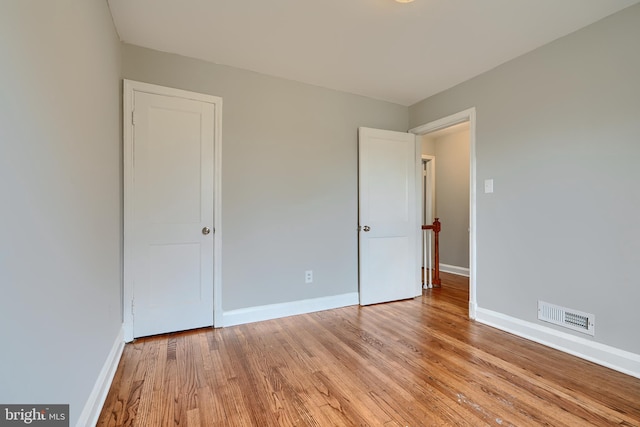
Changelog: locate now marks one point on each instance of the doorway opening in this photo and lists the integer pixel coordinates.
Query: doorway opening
(448, 193)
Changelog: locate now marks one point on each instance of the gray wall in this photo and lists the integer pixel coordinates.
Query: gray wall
(451, 150)
(289, 176)
(60, 244)
(558, 130)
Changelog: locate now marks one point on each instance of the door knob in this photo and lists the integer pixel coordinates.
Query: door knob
(366, 228)
(206, 230)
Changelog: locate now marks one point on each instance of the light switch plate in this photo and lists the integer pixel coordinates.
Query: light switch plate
(488, 185)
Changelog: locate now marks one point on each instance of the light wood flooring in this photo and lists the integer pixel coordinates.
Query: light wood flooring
(418, 362)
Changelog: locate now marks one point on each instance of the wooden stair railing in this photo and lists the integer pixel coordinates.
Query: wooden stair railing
(436, 226)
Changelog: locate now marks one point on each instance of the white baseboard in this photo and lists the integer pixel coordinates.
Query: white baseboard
(473, 310)
(611, 357)
(91, 411)
(454, 269)
(274, 311)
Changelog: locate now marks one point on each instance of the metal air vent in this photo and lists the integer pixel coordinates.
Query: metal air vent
(566, 317)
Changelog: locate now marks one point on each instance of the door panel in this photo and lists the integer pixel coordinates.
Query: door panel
(174, 264)
(389, 172)
(174, 166)
(388, 216)
(173, 202)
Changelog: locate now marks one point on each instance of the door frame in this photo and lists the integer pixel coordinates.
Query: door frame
(463, 116)
(430, 162)
(129, 89)
(428, 182)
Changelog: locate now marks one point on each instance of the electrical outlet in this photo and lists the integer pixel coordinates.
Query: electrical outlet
(308, 276)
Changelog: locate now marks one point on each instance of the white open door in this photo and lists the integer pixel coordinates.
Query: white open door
(389, 211)
(169, 220)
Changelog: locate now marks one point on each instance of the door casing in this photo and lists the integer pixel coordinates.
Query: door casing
(129, 89)
(429, 189)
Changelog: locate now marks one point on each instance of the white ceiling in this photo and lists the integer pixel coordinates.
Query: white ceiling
(395, 52)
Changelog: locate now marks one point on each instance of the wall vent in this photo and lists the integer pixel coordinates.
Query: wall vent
(566, 317)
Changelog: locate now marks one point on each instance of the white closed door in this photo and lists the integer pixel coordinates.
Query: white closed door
(172, 210)
(389, 245)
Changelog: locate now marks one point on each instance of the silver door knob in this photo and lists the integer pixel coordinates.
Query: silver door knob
(366, 228)
(206, 230)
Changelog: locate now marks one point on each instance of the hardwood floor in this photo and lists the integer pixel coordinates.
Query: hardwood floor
(418, 362)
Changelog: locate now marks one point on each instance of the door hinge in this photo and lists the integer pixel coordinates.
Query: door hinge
(133, 305)
(133, 117)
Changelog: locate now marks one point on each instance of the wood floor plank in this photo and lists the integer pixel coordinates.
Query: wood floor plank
(418, 362)
(150, 367)
(381, 379)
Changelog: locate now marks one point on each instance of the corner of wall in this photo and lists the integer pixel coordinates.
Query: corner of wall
(93, 406)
